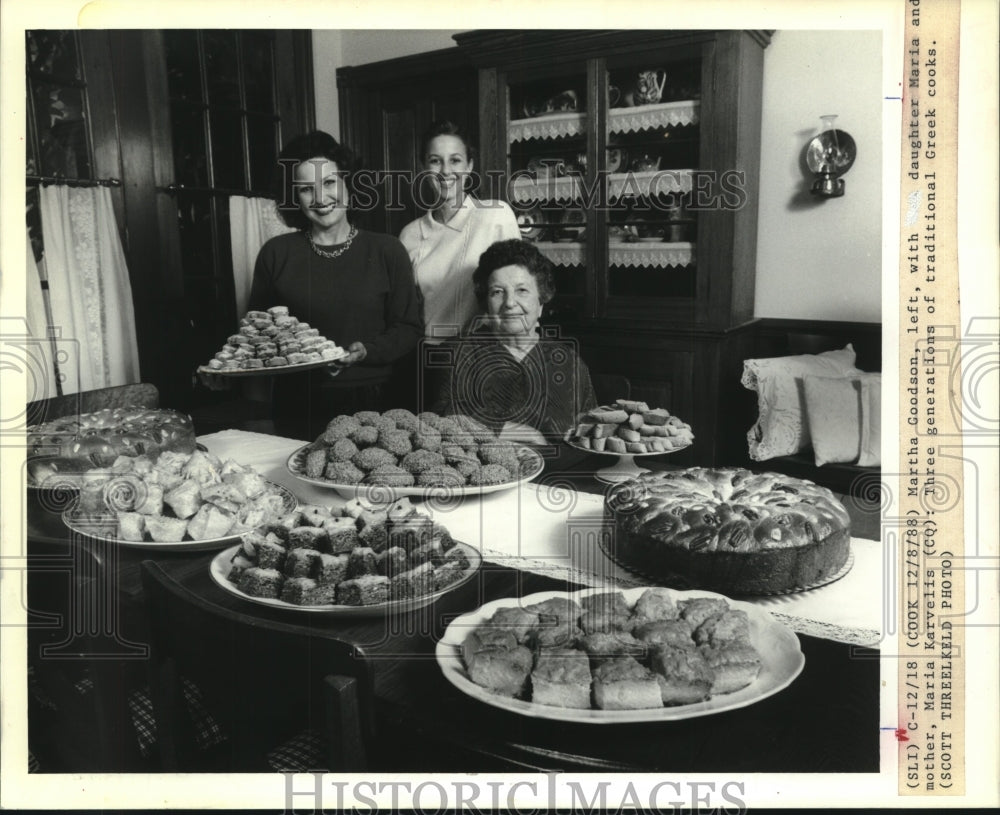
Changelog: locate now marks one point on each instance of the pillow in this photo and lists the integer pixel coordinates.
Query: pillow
(780, 429)
(871, 421)
(836, 415)
(833, 410)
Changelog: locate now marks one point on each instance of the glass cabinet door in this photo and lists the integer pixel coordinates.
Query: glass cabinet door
(632, 158)
(547, 129)
(652, 134)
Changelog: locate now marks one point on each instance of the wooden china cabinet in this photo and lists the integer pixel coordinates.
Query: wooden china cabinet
(632, 160)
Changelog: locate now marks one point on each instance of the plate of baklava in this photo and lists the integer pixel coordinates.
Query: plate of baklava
(360, 560)
(620, 656)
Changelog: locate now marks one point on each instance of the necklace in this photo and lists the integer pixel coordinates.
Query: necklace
(336, 252)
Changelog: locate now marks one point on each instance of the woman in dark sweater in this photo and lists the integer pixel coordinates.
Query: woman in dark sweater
(356, 287)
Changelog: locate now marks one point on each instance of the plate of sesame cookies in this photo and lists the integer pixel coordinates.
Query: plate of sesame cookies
(399, 453)
(603, 656)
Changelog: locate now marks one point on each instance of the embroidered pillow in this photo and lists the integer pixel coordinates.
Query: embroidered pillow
(781, 429)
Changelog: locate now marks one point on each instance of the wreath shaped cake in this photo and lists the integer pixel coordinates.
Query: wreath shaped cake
(730, 530)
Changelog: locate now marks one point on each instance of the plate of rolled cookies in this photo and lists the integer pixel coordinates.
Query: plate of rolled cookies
(273, 342)
(600, 656)
(627, 429)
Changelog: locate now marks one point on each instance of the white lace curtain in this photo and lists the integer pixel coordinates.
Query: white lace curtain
(89, 289)
(252, 222)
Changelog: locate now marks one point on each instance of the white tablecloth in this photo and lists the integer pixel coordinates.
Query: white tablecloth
(557, 531)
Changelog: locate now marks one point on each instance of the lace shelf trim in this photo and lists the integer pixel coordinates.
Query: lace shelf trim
(620, 120)
(563, 188)
(562, 254)
(553, 126)
(620, 185)
(654, 255)
(649, 182)
(648, 117)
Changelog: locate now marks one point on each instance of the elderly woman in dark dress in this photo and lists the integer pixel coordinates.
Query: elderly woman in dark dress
(522, 380)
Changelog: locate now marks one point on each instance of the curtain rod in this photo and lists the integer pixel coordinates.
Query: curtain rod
(177, 189)
(45, 180)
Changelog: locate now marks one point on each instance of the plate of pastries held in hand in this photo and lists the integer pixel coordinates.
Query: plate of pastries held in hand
(174, 501)
(631, 428)
(273, 342)
(361, 560)
(615, 656)
(399, 453)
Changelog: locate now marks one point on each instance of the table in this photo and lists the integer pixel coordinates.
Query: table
(826, 721)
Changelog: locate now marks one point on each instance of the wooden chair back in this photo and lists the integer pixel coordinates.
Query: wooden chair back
(263, 681)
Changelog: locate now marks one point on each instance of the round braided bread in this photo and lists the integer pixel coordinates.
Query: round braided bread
(731, 529)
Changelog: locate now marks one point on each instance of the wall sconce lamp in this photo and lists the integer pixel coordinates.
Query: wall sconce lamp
(829, 155)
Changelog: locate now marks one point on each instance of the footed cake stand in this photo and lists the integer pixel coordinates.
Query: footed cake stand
(625, 467)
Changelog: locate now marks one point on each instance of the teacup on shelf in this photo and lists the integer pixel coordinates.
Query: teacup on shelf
(528, 221)
(645, 162)
(617, 159)
(561, 102)
(531, 108)
(649, 232)
(545, 167)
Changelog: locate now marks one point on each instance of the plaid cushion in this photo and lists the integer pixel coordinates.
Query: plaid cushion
(208, 732)
(300, 754)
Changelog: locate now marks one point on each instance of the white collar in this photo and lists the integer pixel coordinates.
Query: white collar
(429, 225)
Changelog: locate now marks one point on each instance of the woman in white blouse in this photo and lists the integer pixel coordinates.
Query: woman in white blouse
(445, 243)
